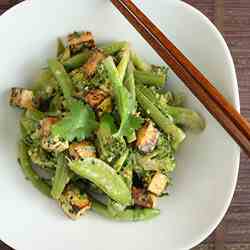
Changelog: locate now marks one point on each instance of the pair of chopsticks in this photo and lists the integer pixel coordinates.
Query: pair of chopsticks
(230, 119)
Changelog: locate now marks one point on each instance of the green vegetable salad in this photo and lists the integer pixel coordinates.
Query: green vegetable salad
(99, 132)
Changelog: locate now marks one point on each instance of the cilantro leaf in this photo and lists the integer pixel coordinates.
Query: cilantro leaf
(78, 124)
(133, 123)
(124, 101)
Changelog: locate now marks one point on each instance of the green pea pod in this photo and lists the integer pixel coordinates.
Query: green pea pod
(139, 63)
(103, 176)
(77, 60)
(114, 47)
(62, 77)
(62, 177)
(28, 171)
(150, 78)
(136, 214)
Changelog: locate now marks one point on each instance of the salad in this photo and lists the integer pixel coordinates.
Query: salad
(99, 132)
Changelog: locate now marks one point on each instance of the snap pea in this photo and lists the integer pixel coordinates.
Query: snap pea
(104, 177)
(139, 63)
(150, 78)
(136, 214)
(28, 171)
(61, 76)
(62, 177)
(123, 64)
(182, 116)
(113, 47)
(123, 99)
(77, 61)
(129, 83)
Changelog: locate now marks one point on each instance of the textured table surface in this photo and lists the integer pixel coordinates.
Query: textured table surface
(232, 17)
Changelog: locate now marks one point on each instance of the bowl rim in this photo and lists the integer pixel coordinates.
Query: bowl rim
(236, 103)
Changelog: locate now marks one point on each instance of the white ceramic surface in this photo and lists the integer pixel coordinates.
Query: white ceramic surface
(208, 163)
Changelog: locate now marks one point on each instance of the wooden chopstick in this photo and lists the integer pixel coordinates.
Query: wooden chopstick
(236, 125)
(199, 77)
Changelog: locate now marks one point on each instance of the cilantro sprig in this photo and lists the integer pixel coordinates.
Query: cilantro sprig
(78, 124)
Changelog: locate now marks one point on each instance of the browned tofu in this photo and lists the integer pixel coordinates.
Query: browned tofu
(89, 68)
(54, 144)
(95, 97)
(22, 98)
(158, 184)
(82, 150)
(143, 198)
(73, 202)
(105, 106)
(147, 138)
(46, 124)
(77, 41)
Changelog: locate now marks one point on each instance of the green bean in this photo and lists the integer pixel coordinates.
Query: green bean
(123, 99)
(130, 85)
(61, 76)
(77, 61)
(28, 171)
(130, 81)
(136, 214)
(139, 63)
(150, 78)
(62, 177)
(182, 116)
(65, 55)
(162, 121)
(60, 47)
(114, 207)
(123, 64)
(104, 177)
(113, 47)
(101, 209)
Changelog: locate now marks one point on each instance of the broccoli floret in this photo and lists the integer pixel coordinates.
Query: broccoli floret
(161, 159)
(110, 147)
(41, 158)
(81, 81)
(101, 76)
(160, 70)
(180, 116)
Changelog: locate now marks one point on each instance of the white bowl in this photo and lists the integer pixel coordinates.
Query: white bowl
(208, 163)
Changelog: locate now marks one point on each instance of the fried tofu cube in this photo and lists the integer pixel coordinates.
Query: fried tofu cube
(89, 68)
(95, 97)
(22, 98)
(158, 184)
(54, 144)
(105, 106)
(77, 41)
(82, 150)
(143, 198)
(73, 202)
(147, 138)
(46, 124)
(49, 143)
